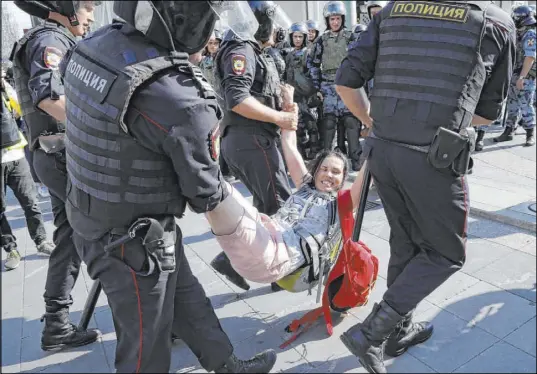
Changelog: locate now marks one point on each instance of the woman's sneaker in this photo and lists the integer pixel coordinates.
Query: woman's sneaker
(46, 247)
(13, 260)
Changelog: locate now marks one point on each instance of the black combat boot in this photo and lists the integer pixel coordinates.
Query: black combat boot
(406, 335)
(506, 135)
(479, 144)
(366, 340)
(222, 265)
(261, 363)
(60, 333)
(530, 138)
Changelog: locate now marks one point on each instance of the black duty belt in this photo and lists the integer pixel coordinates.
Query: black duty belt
(419, 148)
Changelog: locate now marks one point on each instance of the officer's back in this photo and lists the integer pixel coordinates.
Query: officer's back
(426, 52)
(123, 163)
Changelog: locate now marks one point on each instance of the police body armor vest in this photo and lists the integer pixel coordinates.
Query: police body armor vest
(37, 122)
(520, 54)
(296, 72)
(10, 131)
(429, 72)
(334, 50)
(114, 180)
(265, 88)
(279, 61)
(310, 214)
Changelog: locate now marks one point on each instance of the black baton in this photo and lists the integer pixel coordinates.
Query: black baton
(363, 202)
(89, 307)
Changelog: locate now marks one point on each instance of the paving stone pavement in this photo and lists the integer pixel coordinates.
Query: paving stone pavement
(484, 316)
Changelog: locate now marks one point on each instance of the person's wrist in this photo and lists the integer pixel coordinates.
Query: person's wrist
(522, 77)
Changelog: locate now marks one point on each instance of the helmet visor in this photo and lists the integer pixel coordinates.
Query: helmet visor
(236, 16)
(280, 18)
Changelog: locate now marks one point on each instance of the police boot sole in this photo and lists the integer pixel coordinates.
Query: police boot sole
(350, 346)
(402, 350)
(61, 346)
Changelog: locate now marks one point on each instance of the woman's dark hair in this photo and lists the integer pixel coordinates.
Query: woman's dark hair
(315, 164)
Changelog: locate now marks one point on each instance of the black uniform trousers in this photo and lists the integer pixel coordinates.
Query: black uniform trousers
(427, 210)
(16, 174)
(146, 309)
(254, 157)
(64, 262)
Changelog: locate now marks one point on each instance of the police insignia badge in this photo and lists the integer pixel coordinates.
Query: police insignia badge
(432, 10)
(238, 64)
(52, 57)
(214, 143)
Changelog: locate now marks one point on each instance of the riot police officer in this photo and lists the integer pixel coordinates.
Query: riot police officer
(250, 86)
(142, 126)
(520, 101)
(326, 56)
(374, 6)
(39, 87)
(313, 31)
(427, 126)
(207, 62)
(295, 75)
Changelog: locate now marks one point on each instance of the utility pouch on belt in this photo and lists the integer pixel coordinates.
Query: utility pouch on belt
(451, 150)
(52, 143)
(158, 244)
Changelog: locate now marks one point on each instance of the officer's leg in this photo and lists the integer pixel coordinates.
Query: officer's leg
(197, 325)
(329, 130)
(528, 111)
(142, 305)
(329, 124)
(481, 131)
(513, 113)
(352, 128)
(64, 262)
(419, 219)
(8, 241)
(341, 136)
(21, 182)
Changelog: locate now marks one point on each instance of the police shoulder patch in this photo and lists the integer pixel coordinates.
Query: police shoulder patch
(214, 143)
(238, 64)
(52, 57)
(431, 10)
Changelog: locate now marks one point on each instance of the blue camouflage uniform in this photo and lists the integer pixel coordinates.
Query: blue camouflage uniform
(520, 102)
(323, 79)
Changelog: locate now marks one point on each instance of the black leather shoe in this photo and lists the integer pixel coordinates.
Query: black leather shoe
(261, 363)
(222, 265)
(366, 340)
(406, 336)
(60, 333)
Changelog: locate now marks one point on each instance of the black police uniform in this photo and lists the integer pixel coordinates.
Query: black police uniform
(143, 156)
(36, 59)
(461, 66)
(250, 146)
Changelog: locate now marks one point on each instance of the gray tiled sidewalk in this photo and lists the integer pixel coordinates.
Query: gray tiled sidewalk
(484, 316)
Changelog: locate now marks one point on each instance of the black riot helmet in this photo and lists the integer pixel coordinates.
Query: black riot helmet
(269, 16)
(41, 9)
(522, 16)
(183, 26)
(299, 27)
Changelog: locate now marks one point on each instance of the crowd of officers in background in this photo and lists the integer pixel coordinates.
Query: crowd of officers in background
(307, 56)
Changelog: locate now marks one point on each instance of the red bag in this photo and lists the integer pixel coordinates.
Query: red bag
(350, 280)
